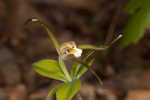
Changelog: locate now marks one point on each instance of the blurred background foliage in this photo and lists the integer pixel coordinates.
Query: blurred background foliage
(125, 72)
(140, 11)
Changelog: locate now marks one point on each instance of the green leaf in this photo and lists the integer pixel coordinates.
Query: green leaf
(49, 68)
(83, 69)
(133, 5)
(75, 67)
(136, 26)
(67, 90)
(52, 92)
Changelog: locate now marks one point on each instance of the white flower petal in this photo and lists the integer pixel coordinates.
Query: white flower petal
(77, 53)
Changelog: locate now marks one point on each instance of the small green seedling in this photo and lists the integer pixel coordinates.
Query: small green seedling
(57, 69)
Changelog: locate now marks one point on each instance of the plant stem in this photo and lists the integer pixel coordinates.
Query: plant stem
(56, 44)
(52, 37)
(100, 48)
(63, 67)
(91, 70)
(90, 52)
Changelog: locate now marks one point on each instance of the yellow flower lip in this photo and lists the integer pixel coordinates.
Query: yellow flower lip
(72, 51)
